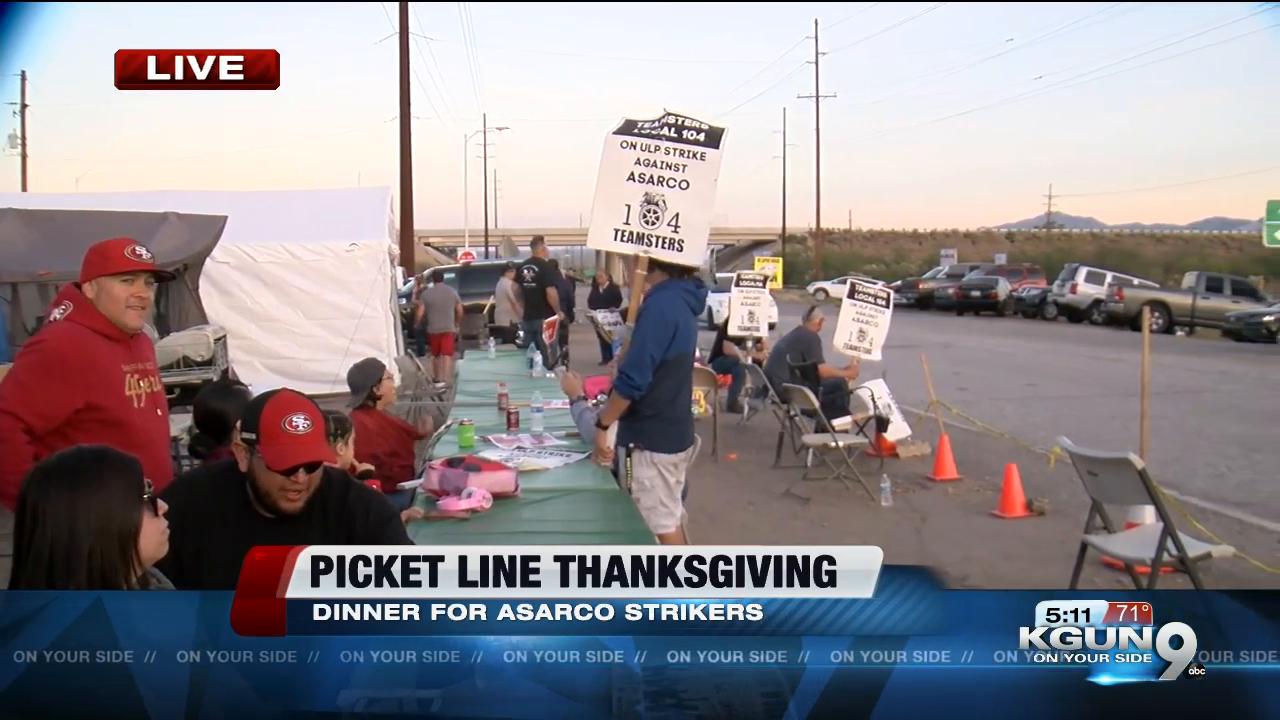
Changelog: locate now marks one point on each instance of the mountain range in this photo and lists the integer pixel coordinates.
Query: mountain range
(1079, 222)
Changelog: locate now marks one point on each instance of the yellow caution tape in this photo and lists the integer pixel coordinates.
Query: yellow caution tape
(1057, 453)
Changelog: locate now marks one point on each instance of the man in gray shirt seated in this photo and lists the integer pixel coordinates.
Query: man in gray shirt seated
(443, 308)
(803, 347)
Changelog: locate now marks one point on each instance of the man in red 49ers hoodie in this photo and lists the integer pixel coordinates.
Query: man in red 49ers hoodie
(89, 376)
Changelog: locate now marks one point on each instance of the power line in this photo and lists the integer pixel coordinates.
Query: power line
(475, 50)
(1246, 173)
(773, 62)
(853, 15)
(900, 23)
(422, 85)
(775, 84)
(1179, 40)
(620, 58)
(1047, 35)
(1070, 82)
(439, 86)
(471, 63)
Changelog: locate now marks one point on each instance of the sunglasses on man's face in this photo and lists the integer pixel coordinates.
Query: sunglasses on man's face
(149, 497)
(310, 468)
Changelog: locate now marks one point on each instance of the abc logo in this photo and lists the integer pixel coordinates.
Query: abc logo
(1196, 670)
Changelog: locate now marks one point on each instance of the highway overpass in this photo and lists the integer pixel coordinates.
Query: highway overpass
(452, 238)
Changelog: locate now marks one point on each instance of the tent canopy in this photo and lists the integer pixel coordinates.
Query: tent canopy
(304, 281)
(40, 250)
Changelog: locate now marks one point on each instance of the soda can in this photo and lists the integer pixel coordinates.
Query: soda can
(504, 397)
(466, 434)
(513, 418)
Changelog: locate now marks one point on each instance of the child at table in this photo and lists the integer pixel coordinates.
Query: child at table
(342, 437)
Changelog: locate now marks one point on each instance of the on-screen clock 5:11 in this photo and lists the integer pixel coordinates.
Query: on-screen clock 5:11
(1071, 613)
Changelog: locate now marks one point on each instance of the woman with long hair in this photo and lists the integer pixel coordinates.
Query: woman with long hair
(87, 519)
(214, 414)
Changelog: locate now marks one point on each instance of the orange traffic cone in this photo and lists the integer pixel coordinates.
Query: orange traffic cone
(944, 465)
(1138, 515)
(1013, 503)
(883, 447)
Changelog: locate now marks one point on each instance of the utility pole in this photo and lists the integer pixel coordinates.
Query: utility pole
(484, 141)
(850, 220)
(407, 255)
(1048, 213)
(784, 184)
(817, 98)
(21, 137)
(22, 125)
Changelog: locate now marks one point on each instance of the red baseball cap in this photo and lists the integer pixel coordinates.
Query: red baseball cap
(287, 428)
(118, 256)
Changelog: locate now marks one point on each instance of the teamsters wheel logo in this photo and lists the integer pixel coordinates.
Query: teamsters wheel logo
(139, 253)
(64, 309)
(298, 424)
(653, 210)
(862, 335)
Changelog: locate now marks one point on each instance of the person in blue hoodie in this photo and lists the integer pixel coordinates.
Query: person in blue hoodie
(651, 399)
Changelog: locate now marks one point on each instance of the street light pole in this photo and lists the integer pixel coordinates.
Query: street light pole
(484, 120)
(466, 179)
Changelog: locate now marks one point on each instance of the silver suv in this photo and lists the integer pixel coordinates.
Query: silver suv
(1080, 292)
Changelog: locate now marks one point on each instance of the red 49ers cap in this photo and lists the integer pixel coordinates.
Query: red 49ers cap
(287, 428)
(118, 256)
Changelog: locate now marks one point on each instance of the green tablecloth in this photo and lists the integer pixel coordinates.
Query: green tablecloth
(576, 504)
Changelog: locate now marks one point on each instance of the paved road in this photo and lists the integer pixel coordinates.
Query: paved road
(1215, 429)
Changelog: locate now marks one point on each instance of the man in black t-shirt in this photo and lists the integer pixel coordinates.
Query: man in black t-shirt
(539, 283)
(276, 491)
(802, 348)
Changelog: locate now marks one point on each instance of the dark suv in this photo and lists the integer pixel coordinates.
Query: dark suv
(475, 283)
(921, 291)
(1019, 276)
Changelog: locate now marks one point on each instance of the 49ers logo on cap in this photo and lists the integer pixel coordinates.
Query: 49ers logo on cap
(298, 424)
(64, 309)
(139, 253)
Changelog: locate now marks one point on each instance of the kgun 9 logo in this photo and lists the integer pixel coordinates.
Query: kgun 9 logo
(1061, 641)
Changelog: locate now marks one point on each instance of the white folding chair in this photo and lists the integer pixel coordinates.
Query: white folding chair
(1121, 478)
(823, 440)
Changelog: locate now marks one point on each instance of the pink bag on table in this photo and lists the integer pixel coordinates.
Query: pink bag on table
(452, 475)
(596, 385)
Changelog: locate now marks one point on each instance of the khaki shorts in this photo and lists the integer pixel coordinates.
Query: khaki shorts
(657, 485)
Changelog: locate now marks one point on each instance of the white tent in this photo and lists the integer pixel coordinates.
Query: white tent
(304, 281)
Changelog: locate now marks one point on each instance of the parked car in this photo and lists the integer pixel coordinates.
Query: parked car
(1080, 291)
(1019, 276)
(1025, 275)
(1031, 302)
(920, 291)
(1253, 325)
(823, 289)
(984, 293)
(1204, 300)
(718, 307)
(475, 283)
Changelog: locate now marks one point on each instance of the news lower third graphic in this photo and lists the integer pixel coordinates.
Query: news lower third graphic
(820, 632)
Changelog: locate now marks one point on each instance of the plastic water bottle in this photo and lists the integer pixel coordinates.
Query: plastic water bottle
(493, 349)
(528, 355)
(538, 370)
(886, 491)
(536, 413)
